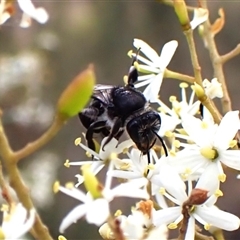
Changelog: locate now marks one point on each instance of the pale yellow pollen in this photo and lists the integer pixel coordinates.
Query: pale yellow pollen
(66, 164)
(4, 208)
(204, 125)
(2, 236)
(125, 166)
(56, 186)
(190, 141)
(130, 52)
(61, 237)
(150, 166)
(77, 141)
(88, 154)
(161, 109)
(233, 143)
(162, 191)
(69, 185)
(172, 153)
(222, 177)
(172, 226)
(181, 131)
(207, 226)
(172, 98)
(125, 150)
(218, 193)
(183, 85)
(176, 143)
(169, 134)
(187, 172)
(118, 213)
(113, 156)
(209, 153)
(125, 79)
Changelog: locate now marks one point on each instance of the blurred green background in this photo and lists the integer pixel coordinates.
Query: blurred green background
(37, 63)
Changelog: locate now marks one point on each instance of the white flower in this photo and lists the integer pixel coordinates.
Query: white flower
(17, 222)
(29, 12)
(213, 89)
(110, 153)
(212, 143)
(96, 209)
(155, 65)
(201, 208)
(171, 117)
(200, 15)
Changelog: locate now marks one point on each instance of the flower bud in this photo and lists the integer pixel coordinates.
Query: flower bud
(76, 95)
(198, 90)
(198, 196)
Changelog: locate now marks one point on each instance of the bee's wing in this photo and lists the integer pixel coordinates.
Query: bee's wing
(102, 93)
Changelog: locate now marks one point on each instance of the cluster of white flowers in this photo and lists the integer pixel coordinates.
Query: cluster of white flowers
(188, 178)
(7, 9)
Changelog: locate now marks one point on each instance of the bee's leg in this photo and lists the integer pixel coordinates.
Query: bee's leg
(115, 131)
(119, 134)
(89, 134)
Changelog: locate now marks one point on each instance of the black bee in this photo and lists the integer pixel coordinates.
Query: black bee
(114, 109)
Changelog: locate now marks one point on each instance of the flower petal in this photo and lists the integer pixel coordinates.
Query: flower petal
(167, 53)
(200, 15)
(152, 90)
(190, 229)
(226, 130)
(218, 218)
(97, 211)
(172, 182)
(166, 216)
(72, 217)
(210, 172)
(231, 158)
(146, 49)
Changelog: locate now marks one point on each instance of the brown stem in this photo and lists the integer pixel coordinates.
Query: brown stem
(216, 62)
(15, 180)
(231, 54)
(196, 68)
(178, 76)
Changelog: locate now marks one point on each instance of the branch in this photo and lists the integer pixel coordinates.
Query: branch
(178, 76)
(216, 62)
(17, 184)
(230, 55)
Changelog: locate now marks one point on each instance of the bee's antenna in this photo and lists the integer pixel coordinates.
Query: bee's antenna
(163, 144)
(133, 72)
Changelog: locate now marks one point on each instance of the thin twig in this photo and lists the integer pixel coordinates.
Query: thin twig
(231, 54)
(178, 76)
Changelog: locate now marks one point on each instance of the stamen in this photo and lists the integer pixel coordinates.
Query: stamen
(66, 164)
(209, 153)
(56, 186)
(233, 143)
(77, 141)
(222, 177)
(172, 226)
(118, 213)
(218, 193)
(61, 237)
(69, 185)
(207, 226)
